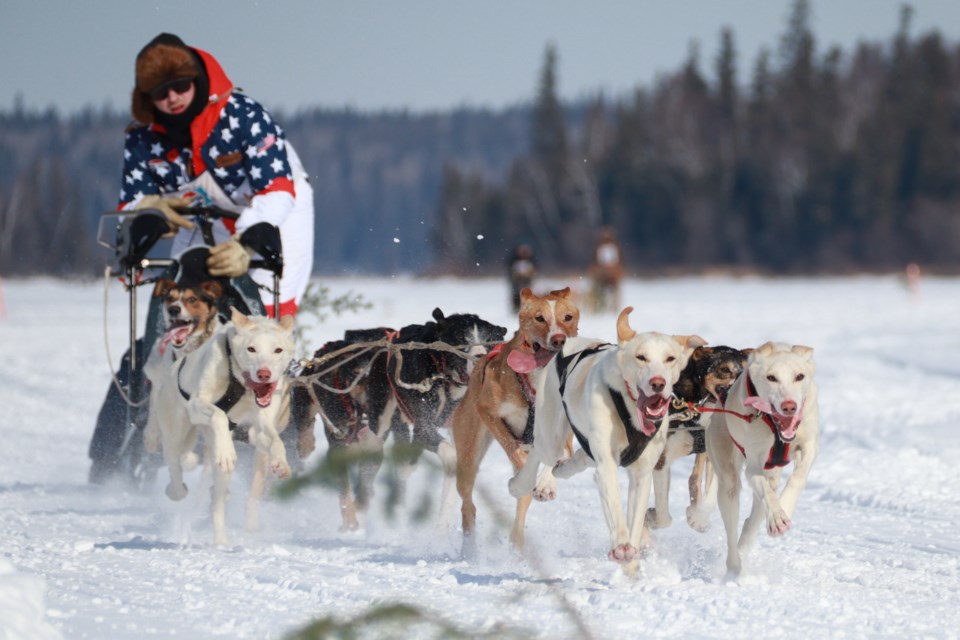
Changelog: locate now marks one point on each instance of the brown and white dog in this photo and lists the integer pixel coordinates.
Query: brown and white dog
(770, 418)
(190, 317)
(498, 404)
(615, 400)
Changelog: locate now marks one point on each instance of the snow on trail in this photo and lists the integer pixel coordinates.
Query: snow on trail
(873, 552)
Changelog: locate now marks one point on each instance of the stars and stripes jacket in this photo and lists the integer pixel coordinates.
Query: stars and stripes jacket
(236, 143)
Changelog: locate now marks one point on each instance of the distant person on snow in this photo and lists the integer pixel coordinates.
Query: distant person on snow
(523, 267)
(606, 270)
(197, 140)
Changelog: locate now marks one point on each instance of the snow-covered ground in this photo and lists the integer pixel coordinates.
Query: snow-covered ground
(873, 552)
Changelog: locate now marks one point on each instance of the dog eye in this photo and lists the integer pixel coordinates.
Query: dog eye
(539, 318)
(641, 358)
(671, 358)
(278, 350)
(800, 377)
(568, 317)
(251, 350)
(192, 300)
(772, 378)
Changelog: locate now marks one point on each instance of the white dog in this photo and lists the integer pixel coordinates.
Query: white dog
(771, 418)
(615, 400)
(238, 376)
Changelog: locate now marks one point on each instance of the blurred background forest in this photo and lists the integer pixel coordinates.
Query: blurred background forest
(820, 162)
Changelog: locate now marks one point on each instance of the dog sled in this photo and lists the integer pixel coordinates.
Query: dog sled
(117, 447)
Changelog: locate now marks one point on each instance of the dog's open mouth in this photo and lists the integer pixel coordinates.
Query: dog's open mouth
(177, 334)
(787, 426)
(523, 362)
(651, 410)
(262, 391)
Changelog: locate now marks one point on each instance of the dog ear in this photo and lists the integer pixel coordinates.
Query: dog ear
(805, 352)
(212, 288)
(765, 349)
(701, 352)
(286, 323)
(238, 318)
(438, 315)
(624, 332)
(163, 287)
(561, 293)
(526, 294)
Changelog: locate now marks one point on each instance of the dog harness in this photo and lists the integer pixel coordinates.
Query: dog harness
(779, 455)
(230, 397)
(636, 440)
(529, 393)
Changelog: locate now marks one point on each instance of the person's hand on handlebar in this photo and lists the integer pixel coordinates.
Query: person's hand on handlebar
(230, 259)
(166, 207)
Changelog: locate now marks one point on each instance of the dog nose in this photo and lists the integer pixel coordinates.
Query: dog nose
(788, 407)
(263, 374)
(175, 310)
(557, 340)
(657, 384)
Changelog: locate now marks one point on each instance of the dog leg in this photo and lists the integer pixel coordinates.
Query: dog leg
(678, 445)
(802, 462)
(766, 505)
(221, 484)
(638, 494)
(257, 484)
(470, 452)
(698, 513)
(573, 465)
(520, 522)
(727, 464)
(172, 447)
(606, 476)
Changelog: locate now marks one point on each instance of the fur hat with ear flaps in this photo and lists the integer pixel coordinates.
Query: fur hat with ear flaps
(163, 59)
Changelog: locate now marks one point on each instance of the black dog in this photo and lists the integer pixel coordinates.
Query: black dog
(401, 386)
(705, 380)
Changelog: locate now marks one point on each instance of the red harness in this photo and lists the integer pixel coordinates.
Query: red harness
(779, 454)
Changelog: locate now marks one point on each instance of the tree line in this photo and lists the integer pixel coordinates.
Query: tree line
(820, 162)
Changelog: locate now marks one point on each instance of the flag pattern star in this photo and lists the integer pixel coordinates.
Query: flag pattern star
(245, 145)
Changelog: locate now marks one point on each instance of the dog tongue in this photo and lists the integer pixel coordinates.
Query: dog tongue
(523, 362)
(177, 335)
(650, 409)
(262, 390)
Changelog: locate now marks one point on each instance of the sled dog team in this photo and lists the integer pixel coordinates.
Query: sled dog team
(557, 403)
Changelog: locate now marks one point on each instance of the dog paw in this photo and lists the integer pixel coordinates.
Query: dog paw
(653, 522)
(516, 488)
(623, 553)
(226, 458)
(545, 489)
(697, 519)
(778, 524)
(176, 492)
(280, 468)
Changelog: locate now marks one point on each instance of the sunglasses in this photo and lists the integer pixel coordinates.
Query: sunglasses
(180, 85)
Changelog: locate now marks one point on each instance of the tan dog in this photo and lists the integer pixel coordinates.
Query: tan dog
(770, 419)
(498, 404)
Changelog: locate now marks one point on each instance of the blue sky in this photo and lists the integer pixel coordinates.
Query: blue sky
(415, 54)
